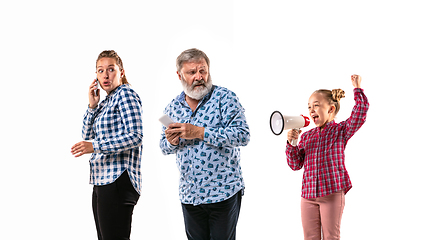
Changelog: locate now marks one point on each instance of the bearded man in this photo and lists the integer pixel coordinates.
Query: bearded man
(209, 127)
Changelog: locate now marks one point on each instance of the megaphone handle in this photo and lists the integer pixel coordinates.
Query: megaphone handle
(294, 141)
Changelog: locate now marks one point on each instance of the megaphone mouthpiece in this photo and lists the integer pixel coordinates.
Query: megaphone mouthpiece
(307, 120)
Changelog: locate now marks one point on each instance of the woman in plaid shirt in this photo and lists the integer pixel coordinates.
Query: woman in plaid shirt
(321, 153)
(115, 126)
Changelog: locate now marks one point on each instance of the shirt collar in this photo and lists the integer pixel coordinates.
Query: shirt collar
(115, 90)
(181, 97)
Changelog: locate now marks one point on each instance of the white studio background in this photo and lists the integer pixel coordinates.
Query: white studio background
(273, 54)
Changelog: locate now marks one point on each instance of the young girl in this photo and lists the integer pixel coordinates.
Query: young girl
(321, 153)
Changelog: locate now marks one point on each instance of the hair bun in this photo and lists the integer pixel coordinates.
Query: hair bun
(337, 94)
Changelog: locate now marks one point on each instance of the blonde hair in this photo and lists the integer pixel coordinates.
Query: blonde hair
(333, 97)
(112, 54)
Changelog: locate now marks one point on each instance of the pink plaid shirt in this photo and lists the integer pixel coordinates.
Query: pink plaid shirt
(322, 153)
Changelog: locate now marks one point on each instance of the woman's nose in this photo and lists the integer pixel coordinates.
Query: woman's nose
(105, 75)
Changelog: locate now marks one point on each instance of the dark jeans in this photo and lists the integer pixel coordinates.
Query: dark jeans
(215, 221)
(112, 207)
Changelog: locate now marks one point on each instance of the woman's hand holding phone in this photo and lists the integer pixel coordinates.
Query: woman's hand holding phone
(94, 94)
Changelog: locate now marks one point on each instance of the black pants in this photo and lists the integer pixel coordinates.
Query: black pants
(112, 207)
(216, 221)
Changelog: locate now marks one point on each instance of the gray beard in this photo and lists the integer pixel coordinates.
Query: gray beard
(200, 92)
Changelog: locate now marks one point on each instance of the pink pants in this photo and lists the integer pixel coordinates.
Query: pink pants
(322, 215)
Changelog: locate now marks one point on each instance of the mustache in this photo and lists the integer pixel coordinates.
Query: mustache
(198, 82)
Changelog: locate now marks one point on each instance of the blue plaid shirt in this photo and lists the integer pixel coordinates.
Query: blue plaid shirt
(116, 129)
(210, 169)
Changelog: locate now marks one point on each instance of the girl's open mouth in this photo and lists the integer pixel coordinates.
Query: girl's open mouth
(315, 118)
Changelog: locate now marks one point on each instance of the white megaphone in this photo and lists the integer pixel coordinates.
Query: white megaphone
(279, 122)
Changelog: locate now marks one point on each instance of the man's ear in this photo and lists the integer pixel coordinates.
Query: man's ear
(179, 75)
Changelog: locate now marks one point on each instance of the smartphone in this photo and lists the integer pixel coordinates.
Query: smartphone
(97, 87)
(165, 120)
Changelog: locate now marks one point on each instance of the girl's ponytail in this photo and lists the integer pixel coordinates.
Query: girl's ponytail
(337, 94)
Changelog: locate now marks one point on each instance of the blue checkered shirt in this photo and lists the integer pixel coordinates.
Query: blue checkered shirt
(115, 127)
(210, 169)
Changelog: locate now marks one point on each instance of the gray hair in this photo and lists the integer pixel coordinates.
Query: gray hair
(192, 54)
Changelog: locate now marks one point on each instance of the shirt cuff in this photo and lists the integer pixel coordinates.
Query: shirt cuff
(171, 146)
(96, 147)
(91, 110)
(288, 144)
